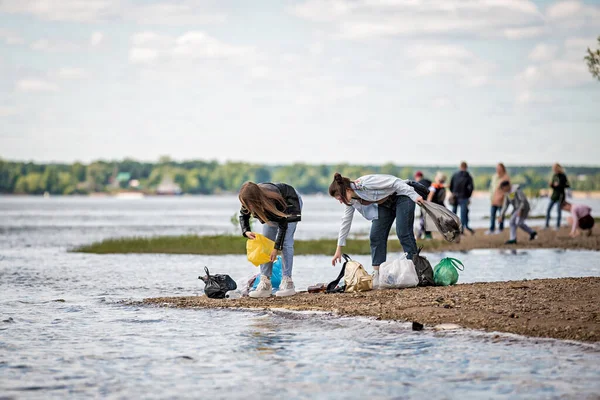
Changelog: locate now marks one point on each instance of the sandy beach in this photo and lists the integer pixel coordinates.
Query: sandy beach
(546, 239)
(566, 308)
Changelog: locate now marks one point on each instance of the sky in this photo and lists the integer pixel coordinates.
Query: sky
(312, 81)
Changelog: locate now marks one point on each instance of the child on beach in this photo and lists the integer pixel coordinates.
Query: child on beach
(437, 190)
(380, 199)
(513, 195)
(278, 207)
(580, 219)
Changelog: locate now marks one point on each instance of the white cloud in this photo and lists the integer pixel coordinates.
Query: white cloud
(10, 38)
(434, 59)
(36, 85)
(53, 46)
(148, 47)
(143, 55)
(360, 19)
(183, 12)
(7, 111)
(71, 73)
(543, 52)
(180, 13)
(524, 33)
(196, 44)
(523, 98)
(96, 38)
(574, 15)
(64, 10)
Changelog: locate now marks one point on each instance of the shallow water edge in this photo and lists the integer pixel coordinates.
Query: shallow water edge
(564, 308)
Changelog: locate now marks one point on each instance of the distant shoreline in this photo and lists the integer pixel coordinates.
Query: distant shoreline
(565, 308)
(592, 194)
(236, 244)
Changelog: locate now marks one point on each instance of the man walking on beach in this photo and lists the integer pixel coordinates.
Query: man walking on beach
(461, 187)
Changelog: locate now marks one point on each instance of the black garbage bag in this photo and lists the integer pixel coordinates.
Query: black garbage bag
(423, 269)
(447, 223)
(217, 286)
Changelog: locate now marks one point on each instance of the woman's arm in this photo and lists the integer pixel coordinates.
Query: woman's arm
(244, 218)
(344, 231)
(431, 193)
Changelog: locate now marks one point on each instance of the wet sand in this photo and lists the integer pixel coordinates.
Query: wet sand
(566, 308)
(546, 239)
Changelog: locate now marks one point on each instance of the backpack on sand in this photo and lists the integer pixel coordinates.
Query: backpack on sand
(217, 286)
(423, 268)
(356, 279)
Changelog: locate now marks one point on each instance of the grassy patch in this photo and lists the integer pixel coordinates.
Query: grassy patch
(226, 244)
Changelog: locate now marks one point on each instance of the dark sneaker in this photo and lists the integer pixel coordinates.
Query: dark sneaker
(533, 235)
(510, 242)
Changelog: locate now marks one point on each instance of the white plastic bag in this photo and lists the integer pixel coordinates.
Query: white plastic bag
(397, 274)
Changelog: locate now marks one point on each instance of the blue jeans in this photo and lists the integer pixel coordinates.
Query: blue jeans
(495, 210)
(403, 211)
(550, 206)
(464, 212)
(287, 251)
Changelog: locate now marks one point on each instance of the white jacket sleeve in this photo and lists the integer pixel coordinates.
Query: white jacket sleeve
(346, 224)
(404, 189)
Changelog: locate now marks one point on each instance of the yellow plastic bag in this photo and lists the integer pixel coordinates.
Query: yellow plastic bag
(259, 249)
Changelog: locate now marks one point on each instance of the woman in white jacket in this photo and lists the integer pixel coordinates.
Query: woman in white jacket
(380, 199)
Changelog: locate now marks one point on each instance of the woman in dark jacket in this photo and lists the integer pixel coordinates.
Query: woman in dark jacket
(559, 184)
(278, 207)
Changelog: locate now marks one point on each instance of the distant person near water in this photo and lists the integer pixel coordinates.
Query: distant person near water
(559, 184)
(278, 207)
(497, 198)
(380, 199)
(461, 187)
(437, 190)
(581, 219)
(423, 234)
(513, 195)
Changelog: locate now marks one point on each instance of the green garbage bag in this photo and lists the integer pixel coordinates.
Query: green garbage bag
(446, 272)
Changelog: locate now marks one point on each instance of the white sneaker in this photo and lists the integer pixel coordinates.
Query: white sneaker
(375, 279)
(490, 232)
(286, 288)
(263, 289)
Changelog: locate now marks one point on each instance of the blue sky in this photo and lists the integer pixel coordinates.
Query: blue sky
(357, 81)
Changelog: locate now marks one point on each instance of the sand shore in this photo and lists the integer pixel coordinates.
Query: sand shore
(566, 308)
(546, 239)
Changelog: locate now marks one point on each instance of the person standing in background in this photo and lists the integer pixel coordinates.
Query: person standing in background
(461, 187)
(497, 198)
(423, 234)
(559, 184)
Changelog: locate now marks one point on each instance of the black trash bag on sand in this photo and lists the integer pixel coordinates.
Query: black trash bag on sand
(217, 286)
(423, 269)
(447, 223)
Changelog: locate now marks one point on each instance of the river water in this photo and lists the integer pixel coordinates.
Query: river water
(65, 333)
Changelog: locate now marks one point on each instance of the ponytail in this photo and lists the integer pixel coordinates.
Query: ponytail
(339, 186)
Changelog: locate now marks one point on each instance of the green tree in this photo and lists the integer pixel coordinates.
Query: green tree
(593, 61)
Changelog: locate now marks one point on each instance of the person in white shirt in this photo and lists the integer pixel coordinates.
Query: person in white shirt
(380, 199)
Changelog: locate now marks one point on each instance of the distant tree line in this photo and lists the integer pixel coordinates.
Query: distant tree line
(211, 177)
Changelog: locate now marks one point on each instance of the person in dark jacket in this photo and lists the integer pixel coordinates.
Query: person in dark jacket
(461, 187)
(278, 207)
(559, 184)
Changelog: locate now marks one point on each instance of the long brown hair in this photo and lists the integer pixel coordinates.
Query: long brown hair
(339, 186)
(501, 165)
(259, 201)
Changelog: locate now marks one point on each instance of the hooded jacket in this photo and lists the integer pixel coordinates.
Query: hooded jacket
(461, 185)
(292, 209)
(517, 199)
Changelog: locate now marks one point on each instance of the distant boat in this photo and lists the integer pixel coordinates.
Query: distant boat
(129, 195)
